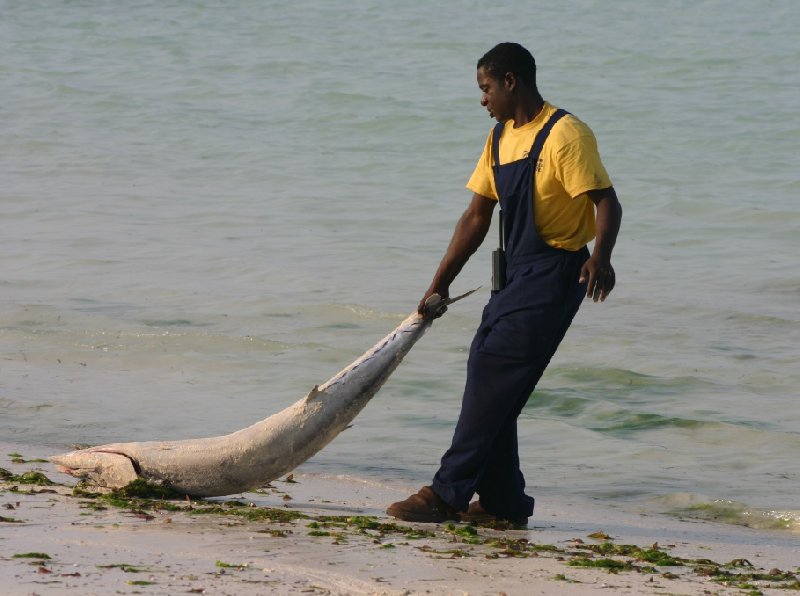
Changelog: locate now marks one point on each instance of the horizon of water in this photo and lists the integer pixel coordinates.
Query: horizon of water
(208, 210)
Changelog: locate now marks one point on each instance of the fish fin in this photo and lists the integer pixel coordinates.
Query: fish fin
(313, 393)
(435, 306)
(464, 295)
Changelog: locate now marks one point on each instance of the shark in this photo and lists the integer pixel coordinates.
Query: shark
(252, 457)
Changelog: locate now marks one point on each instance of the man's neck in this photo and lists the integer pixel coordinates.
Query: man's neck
(528, 109)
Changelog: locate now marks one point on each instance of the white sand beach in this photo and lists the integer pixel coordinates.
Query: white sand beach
(52, 542)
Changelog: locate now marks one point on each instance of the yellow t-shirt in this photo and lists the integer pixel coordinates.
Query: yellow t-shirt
(568, 167)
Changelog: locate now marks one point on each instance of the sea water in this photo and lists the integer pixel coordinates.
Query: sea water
(208, 208)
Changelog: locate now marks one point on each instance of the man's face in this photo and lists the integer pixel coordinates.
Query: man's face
(496, 95)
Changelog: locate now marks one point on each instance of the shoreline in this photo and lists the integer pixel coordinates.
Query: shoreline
(330, 535)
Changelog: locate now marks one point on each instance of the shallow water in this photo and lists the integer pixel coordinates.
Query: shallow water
(208, 210)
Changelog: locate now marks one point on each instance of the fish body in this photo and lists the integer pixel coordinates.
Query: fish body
(251, 457)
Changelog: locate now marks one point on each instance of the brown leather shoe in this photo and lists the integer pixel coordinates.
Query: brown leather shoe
(476, 514)
(425, 506)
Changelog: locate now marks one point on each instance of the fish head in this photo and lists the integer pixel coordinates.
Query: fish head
(98, 468)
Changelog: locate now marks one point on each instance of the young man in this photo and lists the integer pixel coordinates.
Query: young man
(541, 164)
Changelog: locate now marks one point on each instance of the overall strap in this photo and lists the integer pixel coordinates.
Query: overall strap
(538, 142)
(496, 133)
(541, 137)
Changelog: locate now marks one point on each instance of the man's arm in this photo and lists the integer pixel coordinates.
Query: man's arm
(597, 271)
(470, 231)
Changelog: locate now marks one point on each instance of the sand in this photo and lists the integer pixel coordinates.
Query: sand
(116, 550)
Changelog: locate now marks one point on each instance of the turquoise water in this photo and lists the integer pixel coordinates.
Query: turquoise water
(209, 209)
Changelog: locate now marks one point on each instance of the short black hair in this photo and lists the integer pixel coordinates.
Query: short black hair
(510, 57)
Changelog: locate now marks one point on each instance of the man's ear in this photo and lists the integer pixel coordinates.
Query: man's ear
(510, 81)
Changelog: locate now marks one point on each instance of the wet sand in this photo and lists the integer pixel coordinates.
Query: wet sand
(80, 545)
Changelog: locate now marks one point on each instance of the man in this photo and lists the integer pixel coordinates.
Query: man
(548, 216)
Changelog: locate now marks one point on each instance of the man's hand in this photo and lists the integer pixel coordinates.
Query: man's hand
(444, 293)
(599, 278)
(597, 272)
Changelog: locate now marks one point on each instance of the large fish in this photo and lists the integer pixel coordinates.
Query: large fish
(251, 457)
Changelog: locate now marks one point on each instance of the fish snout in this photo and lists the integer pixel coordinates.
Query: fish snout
(99, 468)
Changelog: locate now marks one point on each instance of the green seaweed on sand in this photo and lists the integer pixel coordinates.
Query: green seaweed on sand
(142, 489)
(137, 496)
(9, 520)
(729, 576)
(17, 458)
(653, 555)
(369, 525)
(275, 533)
(615, 558)
(338, 537)
(455, 553)
(563, 578)
(235, 503)
(600, 535)
(250, 513)
(137, 504)
(224, 565)
(466, 534)
(31, 477)
(659, 558)
(33, 555)
(82, 490)
(518, 547)
(94, 506)
(126, 568)
(362, 522)
(508, 548)
(612, 565)
(739, 573)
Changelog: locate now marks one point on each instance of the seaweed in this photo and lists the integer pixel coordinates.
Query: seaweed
(612, 565)
(142, 489)
(225, 565)
(33, 555)
(30, 477)
(17, 458)
(126, 568)
(605, 554)
(250, 513)
(467, 534)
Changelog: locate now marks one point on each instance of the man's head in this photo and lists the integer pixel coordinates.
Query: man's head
(512, 58)
(507, 78)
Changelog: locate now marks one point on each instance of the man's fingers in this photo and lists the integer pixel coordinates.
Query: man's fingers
(605, 283)
(599, 281)
(590, 284)
(598, 289)
(608, 286)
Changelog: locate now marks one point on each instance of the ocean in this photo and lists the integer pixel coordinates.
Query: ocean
(208, 208)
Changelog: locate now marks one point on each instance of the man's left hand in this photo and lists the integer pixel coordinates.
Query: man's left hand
(599, 278)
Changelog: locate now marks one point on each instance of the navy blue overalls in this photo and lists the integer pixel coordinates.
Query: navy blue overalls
(521, 328)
